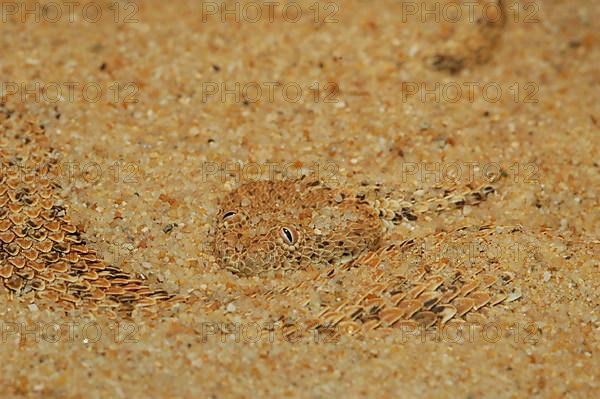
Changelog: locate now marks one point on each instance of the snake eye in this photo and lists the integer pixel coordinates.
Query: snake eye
(289, 235)
(229, 215)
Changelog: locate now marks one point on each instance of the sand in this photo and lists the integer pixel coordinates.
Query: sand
(159, 101)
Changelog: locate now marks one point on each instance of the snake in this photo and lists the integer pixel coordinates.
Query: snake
(262, 227)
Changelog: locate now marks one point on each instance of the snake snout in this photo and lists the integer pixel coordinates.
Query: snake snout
(259, 258)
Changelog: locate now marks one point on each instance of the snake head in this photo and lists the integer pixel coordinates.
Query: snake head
(290, 225)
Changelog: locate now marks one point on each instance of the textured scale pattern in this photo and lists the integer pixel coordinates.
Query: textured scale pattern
(397, 293)
(353, 282)
(398, 287)
(328, 226)
(42, 254)
(361, 284)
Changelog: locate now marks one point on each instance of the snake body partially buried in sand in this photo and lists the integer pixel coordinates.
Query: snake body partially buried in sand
(261, 227)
